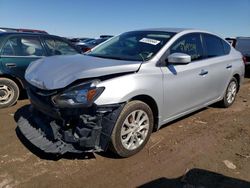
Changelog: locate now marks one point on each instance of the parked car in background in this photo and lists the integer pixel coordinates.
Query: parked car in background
(117, 93)
(84, 41)
(5, 29)
(22, 30)
(242, 44)
(17, 51)
(31, 31)
(76, 40)
(231, 41)
(90, 44)
(106, 36)
(73, 40)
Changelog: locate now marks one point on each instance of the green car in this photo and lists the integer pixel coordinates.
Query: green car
(17, 51)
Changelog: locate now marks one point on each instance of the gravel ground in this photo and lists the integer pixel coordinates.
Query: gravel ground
(209, 148)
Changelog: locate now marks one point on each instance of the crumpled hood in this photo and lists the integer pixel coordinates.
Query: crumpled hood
(59, 71)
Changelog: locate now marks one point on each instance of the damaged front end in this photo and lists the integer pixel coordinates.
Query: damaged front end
(58, 127)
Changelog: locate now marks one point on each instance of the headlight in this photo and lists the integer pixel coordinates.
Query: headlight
(82, 95)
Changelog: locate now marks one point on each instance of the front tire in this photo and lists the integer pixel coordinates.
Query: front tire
(132, 129)
(230, 94)
(9, 92)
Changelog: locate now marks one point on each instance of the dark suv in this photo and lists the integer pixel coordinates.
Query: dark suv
(242, 44)
(17, 51)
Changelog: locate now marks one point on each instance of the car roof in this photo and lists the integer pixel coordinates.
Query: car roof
(27, 33)
(176, 30)
(20, 33)
(173, 30)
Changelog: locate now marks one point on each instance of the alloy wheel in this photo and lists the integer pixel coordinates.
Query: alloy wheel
(6, 94)
(231, 92)
(134, 129)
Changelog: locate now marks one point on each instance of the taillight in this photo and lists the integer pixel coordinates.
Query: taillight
(244, 59)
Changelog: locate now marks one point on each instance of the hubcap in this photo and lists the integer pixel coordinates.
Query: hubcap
(231, 92)
(6, 94)
(134, 129)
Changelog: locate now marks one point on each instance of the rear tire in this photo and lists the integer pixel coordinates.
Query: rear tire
(132, 129)
(230, 94)
(9, 92)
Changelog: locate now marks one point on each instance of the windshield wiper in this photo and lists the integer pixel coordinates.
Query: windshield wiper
(141, 56)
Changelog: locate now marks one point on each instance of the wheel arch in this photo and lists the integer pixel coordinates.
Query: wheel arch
(152, 104)
(237, 77)
(15, 79)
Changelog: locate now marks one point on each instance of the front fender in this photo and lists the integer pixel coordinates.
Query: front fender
(122, 89)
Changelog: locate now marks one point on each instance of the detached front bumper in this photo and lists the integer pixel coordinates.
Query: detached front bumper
(38, 138)
(85, 132)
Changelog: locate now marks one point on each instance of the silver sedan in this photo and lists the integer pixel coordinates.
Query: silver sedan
(115, 95)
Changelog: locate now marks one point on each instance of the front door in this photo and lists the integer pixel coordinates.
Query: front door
(185, 86)
(18, 52)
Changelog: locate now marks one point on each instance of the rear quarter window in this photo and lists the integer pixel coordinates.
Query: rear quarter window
(227, 47)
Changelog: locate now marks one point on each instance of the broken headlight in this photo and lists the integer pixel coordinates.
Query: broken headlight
(82, 95)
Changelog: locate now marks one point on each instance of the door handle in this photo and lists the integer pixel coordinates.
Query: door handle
(203, 72)
(10, 65)
(229, 66)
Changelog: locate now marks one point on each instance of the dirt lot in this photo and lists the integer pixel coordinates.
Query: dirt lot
(210, 148)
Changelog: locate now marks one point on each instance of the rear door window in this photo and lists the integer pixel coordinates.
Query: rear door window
(23, 46)
(189, 44)
(59, 47)
(214, 46)
(227, 47)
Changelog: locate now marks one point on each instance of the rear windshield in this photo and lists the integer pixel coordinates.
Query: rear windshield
(243, 45)
(133, 46)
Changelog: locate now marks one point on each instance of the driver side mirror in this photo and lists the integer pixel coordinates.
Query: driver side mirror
(179, 58)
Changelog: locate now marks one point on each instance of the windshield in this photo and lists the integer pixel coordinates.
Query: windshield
(133, 46)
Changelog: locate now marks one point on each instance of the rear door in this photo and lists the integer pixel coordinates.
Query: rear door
(220, 64)
(18, 52)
